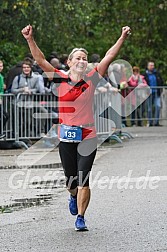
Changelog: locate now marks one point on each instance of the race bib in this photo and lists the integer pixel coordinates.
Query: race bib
(70, 133)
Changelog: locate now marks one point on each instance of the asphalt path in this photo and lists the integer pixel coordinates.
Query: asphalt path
(127, 212)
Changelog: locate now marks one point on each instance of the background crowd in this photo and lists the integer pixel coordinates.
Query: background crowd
(27, 79)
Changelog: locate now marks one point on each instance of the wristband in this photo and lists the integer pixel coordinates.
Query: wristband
(122, 85)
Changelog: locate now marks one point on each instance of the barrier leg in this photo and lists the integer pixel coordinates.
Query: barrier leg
(126, 134)
(21, 144)
(116, 138)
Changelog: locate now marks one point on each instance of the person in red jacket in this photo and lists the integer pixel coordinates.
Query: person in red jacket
(77, 133)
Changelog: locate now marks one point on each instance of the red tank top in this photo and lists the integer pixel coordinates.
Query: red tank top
(76, 100)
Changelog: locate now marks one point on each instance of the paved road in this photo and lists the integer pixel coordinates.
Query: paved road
(127, 211)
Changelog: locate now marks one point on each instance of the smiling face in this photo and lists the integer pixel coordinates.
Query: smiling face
(26, 69)
(78, 62)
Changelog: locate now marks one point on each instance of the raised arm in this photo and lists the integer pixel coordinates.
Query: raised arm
(36, 52)
(112, 52)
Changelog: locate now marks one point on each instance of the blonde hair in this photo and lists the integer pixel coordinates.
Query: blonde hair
(136, 69)
(75, 50)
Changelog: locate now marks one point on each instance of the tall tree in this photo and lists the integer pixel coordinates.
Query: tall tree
(61, 25)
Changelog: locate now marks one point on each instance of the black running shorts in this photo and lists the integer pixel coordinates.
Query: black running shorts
(77, 160)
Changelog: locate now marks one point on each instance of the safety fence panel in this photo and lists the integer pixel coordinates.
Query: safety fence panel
(107, 107)
(36, 114)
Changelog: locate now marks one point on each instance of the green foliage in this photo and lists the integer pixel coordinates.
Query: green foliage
(10, 54)
(61, 25)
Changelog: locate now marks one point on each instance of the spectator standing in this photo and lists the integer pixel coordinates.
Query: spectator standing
(63, 61)
(3, 114)
(154, 80)
(118, 80)
(2, 85)
(13, 72)
(136, 80)
(27, 81)
(27, 84)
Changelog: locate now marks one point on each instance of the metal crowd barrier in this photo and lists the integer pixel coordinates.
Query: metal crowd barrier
(32, 116)
(35, 114)
(36, 111)
(108, 119)
(7, 116)
(25, 117)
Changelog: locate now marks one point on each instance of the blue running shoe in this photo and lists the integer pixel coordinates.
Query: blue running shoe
(73, 205)
(80, 224)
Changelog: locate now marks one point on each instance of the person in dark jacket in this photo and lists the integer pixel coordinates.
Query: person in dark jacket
(154, 80)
